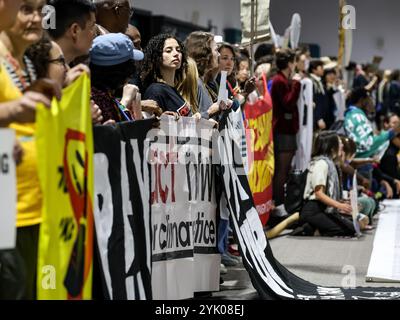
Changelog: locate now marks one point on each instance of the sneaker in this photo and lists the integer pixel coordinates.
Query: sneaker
(233, 251)
(228, 261)
(223, 269)
(238, 259)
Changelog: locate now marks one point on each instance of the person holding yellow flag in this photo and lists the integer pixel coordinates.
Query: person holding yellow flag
(17, 76)
(15, 107)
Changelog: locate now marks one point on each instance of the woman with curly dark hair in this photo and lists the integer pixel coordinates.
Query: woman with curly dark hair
(163, 68)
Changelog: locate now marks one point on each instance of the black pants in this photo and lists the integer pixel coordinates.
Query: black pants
(27, 246)
(18, 267)
(328, 224)
(12, 275)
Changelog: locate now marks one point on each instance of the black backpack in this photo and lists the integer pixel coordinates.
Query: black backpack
(294, 191)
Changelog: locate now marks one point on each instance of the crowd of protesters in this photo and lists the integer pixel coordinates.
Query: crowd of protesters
(355, 124)
(348, 132)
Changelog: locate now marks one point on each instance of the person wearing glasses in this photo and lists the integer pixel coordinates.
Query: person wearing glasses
(26, 30)
(14, 106)
(49, 60)
(113, 16)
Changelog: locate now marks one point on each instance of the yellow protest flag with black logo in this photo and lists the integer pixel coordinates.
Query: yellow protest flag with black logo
(64, 138)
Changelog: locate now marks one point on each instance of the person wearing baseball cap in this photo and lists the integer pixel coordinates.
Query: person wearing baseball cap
(113, 48)
(112, 64)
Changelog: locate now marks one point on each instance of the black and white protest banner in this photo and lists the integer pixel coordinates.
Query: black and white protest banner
(183, 208)
(237, 122)
(122, 213)
(269, 277)
(155, 215)
(8, 189)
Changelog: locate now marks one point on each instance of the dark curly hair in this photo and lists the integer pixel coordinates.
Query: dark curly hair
(153, 59)
(39, 53)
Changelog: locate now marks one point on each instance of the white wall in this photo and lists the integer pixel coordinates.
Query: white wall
(223, 13)
(378, 22)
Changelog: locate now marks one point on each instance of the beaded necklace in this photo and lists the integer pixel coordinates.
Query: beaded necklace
(21, 78)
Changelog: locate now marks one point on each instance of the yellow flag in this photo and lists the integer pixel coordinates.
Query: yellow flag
(64, 140)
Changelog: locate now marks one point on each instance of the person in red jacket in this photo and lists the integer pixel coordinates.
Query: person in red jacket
(285, 92)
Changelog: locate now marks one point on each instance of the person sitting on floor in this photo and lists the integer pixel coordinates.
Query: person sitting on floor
(322, 208)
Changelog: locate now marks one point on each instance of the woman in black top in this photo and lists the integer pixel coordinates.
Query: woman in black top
(163, 68)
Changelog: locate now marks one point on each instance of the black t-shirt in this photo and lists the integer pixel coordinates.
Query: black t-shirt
(168, 99)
